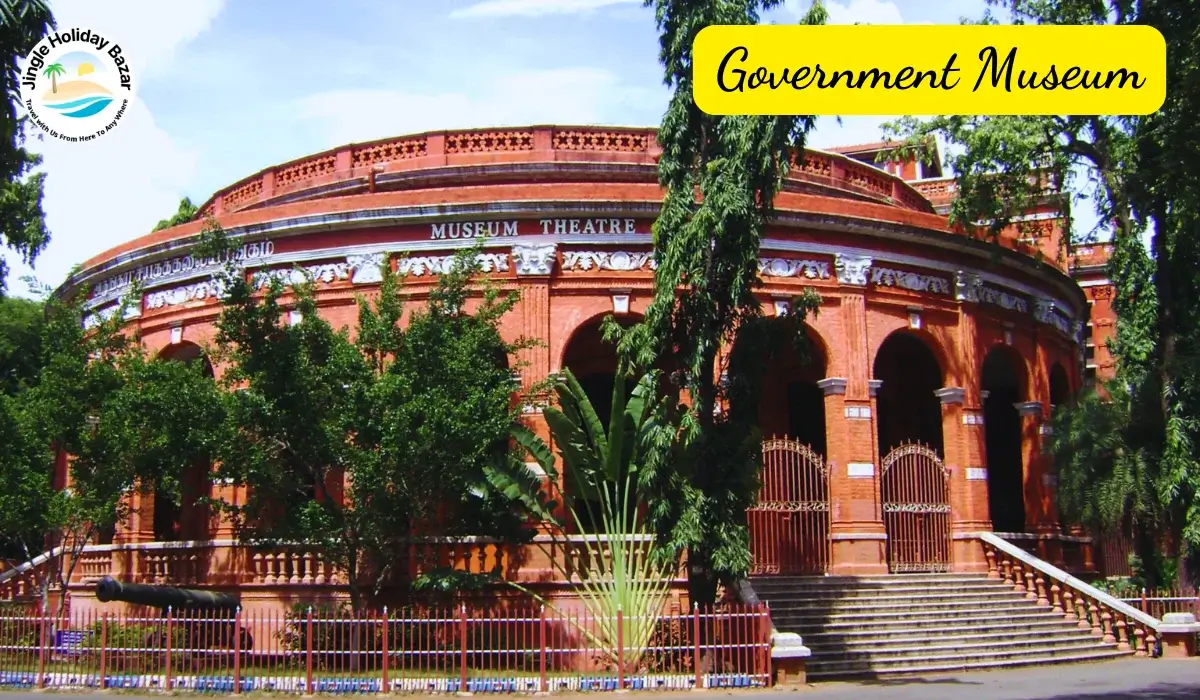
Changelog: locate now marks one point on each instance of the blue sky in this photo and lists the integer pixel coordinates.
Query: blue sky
(228, 87)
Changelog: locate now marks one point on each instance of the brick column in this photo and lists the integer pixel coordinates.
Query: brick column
(859, 540)
(857, 536)
(534, 266)
(963, 442)
(1031, 472)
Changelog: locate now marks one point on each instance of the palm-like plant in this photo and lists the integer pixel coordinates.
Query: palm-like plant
(629, 580)
(53, 71)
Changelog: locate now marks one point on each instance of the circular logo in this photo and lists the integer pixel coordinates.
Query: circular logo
(76, 85)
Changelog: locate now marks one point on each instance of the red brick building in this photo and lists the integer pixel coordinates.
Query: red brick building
(918, 422)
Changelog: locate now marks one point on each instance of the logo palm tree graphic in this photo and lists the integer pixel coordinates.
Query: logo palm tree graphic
(53, 71)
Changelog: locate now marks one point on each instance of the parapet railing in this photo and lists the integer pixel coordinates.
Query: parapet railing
(330, 173)
(1106, 616)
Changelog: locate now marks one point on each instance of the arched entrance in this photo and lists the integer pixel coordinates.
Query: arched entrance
(1003, 381)
(593, 361)
(789, 524)
(906, 403)
(179, 512)
(913, 481)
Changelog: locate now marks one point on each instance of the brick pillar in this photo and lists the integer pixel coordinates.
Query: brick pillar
(1031, 449)
(963, 441)
(534, 266)
(859, 541)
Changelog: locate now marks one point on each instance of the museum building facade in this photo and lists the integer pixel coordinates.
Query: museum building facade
(917, 422)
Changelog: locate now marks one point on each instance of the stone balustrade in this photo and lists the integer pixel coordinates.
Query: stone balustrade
(1091, 609)
(331, 173)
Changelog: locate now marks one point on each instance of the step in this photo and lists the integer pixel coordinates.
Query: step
(979, 646)
(873, 644)
(952, 659)
(981, 599)
(827, 592)
(924, 667)
(902, 635)
(885, 580)
(920, 616)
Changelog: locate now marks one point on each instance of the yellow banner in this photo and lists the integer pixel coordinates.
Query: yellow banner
(929, 69)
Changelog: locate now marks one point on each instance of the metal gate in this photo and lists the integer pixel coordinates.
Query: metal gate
(789, 525)
(915, 489)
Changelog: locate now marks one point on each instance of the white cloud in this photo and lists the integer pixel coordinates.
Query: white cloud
(150, 32)
(581, 96)
(104, 192)
(852, 11)
(535, 8)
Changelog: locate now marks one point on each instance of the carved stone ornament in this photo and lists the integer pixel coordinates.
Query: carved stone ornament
(618, 261)
(783, 267)
(209, 289)
(853, 269)
(366, 268)
(535, 259)
(887, 277)
(968, 287)
(324, 273)
(1005, 300)
(422, 265)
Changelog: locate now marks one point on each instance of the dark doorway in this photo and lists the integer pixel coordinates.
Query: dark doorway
(908, 409)
(1004, 382)
(593, 361)
(180, 513)
(790, 403)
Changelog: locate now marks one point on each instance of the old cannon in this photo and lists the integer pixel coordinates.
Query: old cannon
(201, 620)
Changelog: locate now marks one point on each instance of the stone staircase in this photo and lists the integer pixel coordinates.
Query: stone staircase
(864, 627)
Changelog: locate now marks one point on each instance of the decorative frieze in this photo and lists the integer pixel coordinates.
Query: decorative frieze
(324, 273)
(182, 265)
(92, 320)
(616, 261)
(888, 277)
(1047, 312)
(853, 269)
(785, 267)
(419, 266)
(991, 295)
(968, 287)
(199, 291)
(366, 269)
(535, 259)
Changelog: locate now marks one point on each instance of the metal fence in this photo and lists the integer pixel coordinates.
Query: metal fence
(426, 650)
(1157, 603)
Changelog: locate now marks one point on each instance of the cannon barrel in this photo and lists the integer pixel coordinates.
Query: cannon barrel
(162, 597)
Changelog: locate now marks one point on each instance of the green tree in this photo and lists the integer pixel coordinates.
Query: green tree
(20, 343)
(186, 212)
(124, 419)
(704, 464)
(1129, 460)
(352, 445)
(23, 23)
